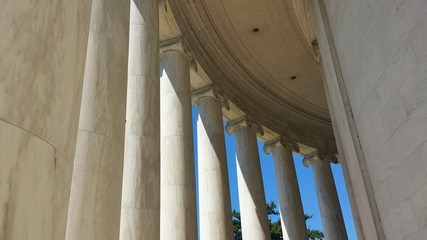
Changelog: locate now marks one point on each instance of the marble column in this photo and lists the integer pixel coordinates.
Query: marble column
(290, 203)
(178, 218)
(42, 53)
(253, 210)
(95, 200)
(214, 192)
(140, 215)
(330, 209)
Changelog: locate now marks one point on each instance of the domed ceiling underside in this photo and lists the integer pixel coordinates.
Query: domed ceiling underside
(260, 54)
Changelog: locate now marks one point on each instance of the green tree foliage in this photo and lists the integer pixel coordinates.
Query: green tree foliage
(275, 226)
(237, 226)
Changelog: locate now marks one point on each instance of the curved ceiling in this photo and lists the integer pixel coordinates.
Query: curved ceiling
(260, 54)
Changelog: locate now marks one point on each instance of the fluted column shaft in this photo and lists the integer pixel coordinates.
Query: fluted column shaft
(94, 210)
(253, 211)
(290, 203)
(214, 190)
(178, 193)
(330, 209)
(140, 215)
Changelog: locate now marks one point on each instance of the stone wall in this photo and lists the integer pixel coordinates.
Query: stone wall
(381, 49)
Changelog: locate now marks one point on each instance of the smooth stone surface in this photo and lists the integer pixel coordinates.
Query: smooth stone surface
(355, 155)
(347, 178)
(42, 51)
(290, 204)
(378, 56)
(214, 191)
(140, 214)
(252, 202)
(34, 206)
(329, 205)
(94, 210)
(178, 218)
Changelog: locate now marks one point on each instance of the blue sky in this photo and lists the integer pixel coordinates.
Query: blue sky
(305, 180)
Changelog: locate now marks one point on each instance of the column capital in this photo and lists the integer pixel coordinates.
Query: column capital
(210, 91)
(319, 155)
(243, 122)
(175, 45)
(280, 142)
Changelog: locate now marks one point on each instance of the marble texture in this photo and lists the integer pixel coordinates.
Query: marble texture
(34, 206)
(329, 205)
(94, 210)
(291, 210)
(355, 155)
(374, 56)
(42, 52)
(178, 219)
(252, 202)
(347, 178)
(140, 214)
(214, 191)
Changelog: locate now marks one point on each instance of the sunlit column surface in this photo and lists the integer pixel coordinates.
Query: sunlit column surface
(42, 55)
(178, 218)
(214, 191)
(255, 225)
(290, 203)
(94, 210)
(140, 216)
(329, 205)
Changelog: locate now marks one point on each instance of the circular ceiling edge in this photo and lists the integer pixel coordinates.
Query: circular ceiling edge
(203, 41)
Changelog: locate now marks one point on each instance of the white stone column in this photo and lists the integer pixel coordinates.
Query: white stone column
(330, 209)
(140, 215)
(94, 210)
(290, 203)
(214, 191)
(178, 218)
(253, 210)
(42, 53)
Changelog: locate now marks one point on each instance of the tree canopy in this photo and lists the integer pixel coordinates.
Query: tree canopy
(275, 226)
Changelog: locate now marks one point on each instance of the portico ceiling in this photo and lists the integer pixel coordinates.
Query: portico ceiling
(262, 55)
